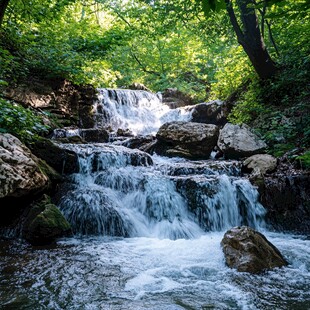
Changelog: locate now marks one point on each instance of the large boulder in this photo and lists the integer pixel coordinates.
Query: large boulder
(44, 223)
(187, 139)
(62, 160)
(260, 164)
(20, 172)
(213, 112)
(248, 250)
(238, 141)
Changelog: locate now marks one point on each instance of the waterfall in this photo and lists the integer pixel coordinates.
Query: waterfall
(123, 192)
(139, 111)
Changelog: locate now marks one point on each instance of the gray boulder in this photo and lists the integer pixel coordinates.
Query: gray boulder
(248, 250)
(187, 139)
(20, 172)
(260, 164)
(213, 112)
(237, 141)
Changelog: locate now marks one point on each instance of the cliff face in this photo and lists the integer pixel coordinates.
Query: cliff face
(67, 103)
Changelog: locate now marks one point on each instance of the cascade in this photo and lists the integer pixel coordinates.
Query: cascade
(139, 111)
(148, 230)
(128, 193)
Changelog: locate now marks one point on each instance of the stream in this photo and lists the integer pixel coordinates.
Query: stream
(147, 230)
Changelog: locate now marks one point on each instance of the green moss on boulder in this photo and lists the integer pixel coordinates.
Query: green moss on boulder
(45, 223)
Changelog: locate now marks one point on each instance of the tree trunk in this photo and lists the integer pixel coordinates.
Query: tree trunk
(250, 38)
(3, 6)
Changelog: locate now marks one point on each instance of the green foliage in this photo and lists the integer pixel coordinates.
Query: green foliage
(21, 122)
(279, 109)
(304, 160)
(212, 5)
(231, 72)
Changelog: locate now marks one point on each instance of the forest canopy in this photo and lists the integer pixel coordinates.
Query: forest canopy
(185, 44)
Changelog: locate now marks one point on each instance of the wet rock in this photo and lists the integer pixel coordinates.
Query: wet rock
(237, 141)
(62, 160)
(139, 142)
(260, 164)
(186, 139)
(287, 201)
(248, 250)
(95, 135)
(124, 132)
(175, 98)
(20, 172)
(212, 112)
(44, 223)
(71, 139)
(138, 86)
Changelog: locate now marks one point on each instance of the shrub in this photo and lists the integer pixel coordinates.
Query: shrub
(23, 123)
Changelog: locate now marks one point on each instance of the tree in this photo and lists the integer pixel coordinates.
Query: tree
(247, 31)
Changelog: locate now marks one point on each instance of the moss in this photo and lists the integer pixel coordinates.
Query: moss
(304, 160)
(50, 218)
(50, 172)
(45, 223)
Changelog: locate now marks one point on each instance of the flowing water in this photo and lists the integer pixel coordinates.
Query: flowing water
(148, 231)
(139, 111)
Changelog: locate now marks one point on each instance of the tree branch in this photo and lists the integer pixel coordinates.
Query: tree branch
(273, 42)
(233, 20)
(143, 67)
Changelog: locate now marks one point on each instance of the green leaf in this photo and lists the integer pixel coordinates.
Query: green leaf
(209, 6)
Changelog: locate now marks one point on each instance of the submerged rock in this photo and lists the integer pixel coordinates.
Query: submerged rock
(248, 250)
(20, 172)
(92, 212)
(187, 139)
(238, 141)
(44, 223)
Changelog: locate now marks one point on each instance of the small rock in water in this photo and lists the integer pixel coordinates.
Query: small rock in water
(248, 250)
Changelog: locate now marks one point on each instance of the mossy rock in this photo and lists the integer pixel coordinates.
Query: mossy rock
(63, 161)
(50, 172)
(45, 223)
